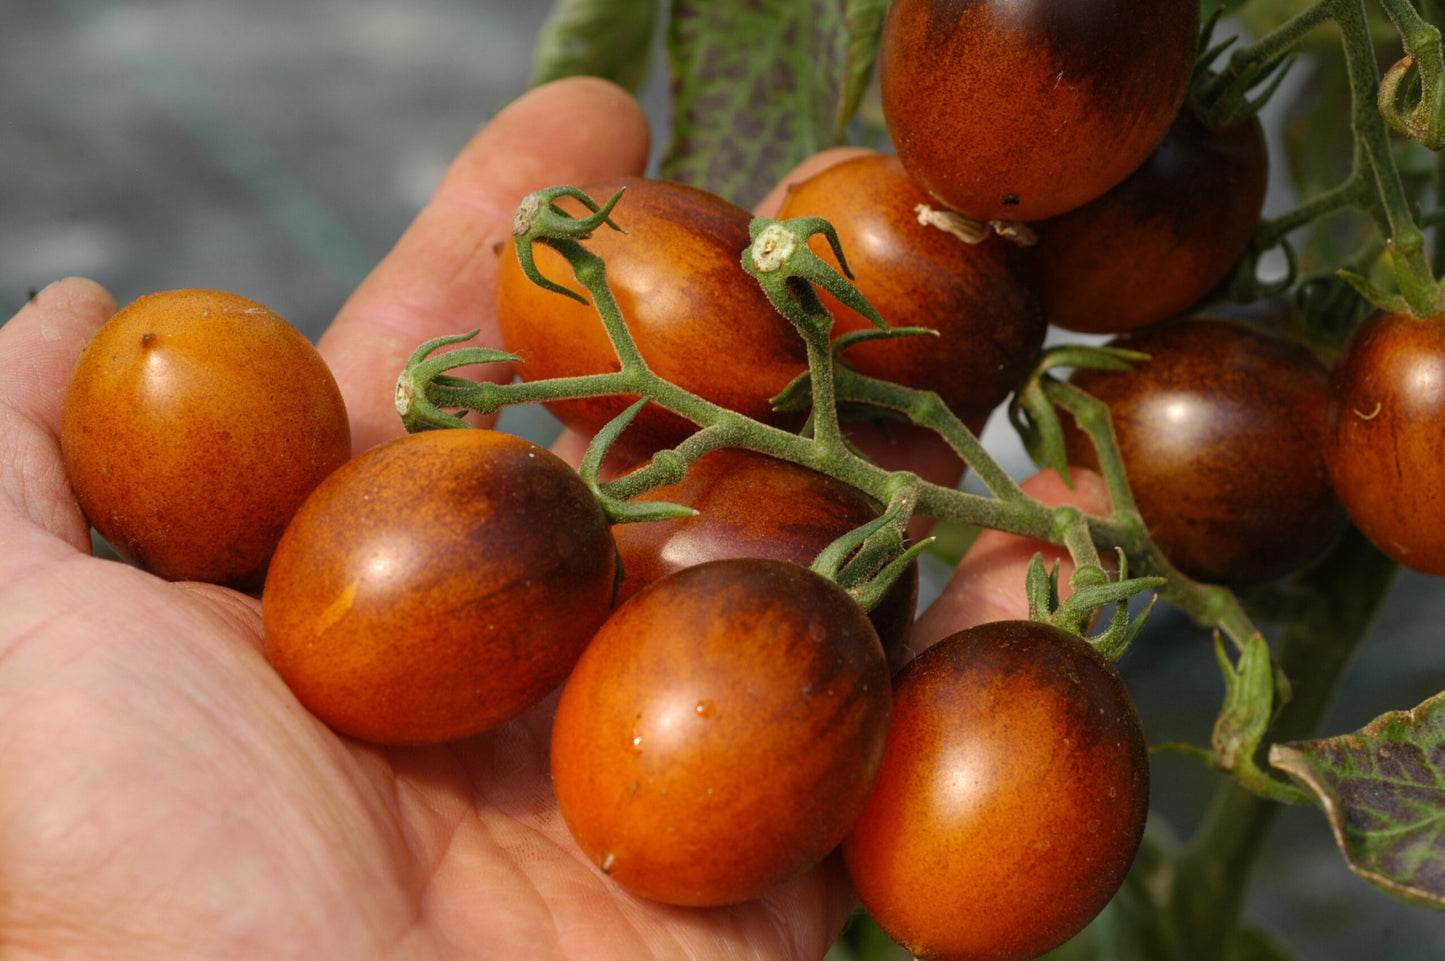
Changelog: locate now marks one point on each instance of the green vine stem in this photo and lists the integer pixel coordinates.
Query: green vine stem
(1325, 614)
(1374, 184)
(787, 269)
(1424, 122)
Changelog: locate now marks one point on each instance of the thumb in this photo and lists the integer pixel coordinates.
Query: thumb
(441, 276)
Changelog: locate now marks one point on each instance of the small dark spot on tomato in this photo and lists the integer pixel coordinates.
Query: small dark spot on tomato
(1011, 200)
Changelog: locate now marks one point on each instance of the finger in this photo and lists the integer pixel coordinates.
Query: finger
(988, 584)
(40, 345)
(440, 278)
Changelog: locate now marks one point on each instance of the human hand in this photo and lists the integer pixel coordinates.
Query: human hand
(164, 795)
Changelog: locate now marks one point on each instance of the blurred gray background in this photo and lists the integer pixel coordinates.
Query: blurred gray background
(277, 148)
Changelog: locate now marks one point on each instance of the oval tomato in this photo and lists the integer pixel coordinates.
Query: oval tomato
(699, 320)
(721, 732)
(979, 297)
(752, 505)
(194, 425)
(1387, 436)
(1019, 110)
(437, 585)
(1152, 246)
(1222, 433)
(1012, 797)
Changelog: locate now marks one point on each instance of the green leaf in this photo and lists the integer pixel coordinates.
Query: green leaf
(1383, 790)
(865, 28)
(756, 88)
(601, 38)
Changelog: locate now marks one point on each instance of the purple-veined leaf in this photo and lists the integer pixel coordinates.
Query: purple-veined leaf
(1383, 790)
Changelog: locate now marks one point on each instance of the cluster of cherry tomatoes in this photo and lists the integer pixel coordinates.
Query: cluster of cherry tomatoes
(728, 717)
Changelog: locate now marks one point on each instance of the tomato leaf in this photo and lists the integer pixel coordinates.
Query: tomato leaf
(1383, 790)
(756, 88)
(602, 38)
(865, 28)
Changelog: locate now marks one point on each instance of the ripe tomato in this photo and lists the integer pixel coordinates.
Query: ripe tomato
(1012, 797)
(1387, 436)
(1152, 246)
(437, 585)
(1019, 110)
(721, 732)
(1222, 432)
(979, 297)
(752, 505)
(194, 424)
(698, 319)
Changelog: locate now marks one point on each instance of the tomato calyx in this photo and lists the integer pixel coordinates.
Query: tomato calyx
(424, 392)
(867, 561)
(787, 270)
(1222, 96)
(1093, 589)
(540, 220)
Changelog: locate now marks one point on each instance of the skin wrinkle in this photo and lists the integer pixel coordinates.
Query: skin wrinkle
(186, 702)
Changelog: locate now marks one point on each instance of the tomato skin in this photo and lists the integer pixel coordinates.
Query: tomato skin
(721, 732)
(698, 319)
(1019, 110)
(194, 424)
(1222, 433)
(980, 298)
(1387, 436)
(436, 586)
(1154, 245)
(752, 505)
(1012, 797)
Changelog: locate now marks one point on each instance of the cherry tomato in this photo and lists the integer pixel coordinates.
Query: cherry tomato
(752, 505)
(1163, 238)
(194, 424)
(1019, 110)
(1387, 436)
(1012, 797)
(979, 297)
(721, 732)
(1222, 432)
(699, 320)
(437, 585)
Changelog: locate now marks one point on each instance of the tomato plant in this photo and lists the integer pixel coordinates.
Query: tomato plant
(195, 423)
(1011, 800)
(752, 505)
(1152, 246)
(687, 302)
(1222, 433)
(721, 732)
(1019, 111)
(980, 298)
(437, 585)
(1386, 440)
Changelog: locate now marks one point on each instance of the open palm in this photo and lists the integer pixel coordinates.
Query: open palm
(161, 793)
